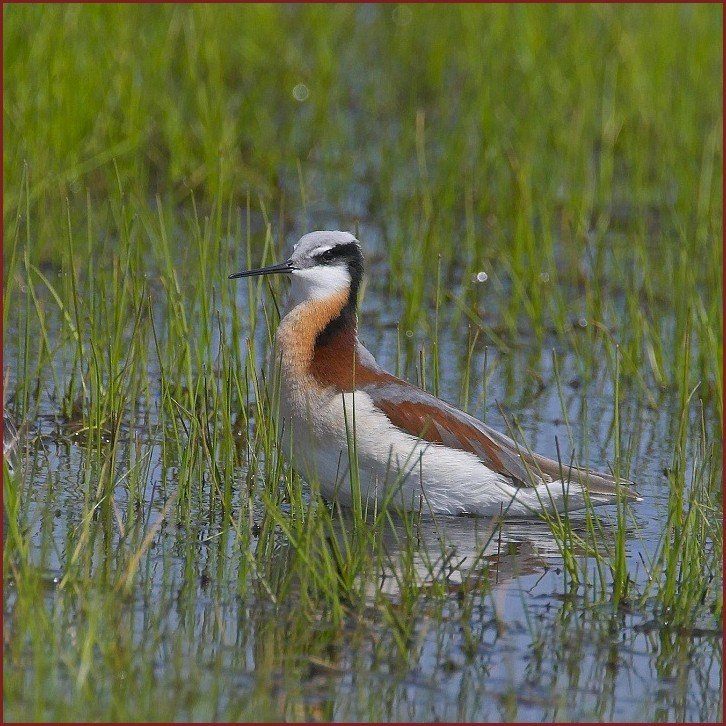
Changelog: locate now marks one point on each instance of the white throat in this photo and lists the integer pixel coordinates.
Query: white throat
(317, 283)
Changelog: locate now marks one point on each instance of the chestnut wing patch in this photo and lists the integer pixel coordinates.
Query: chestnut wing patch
(430, 419)
(426, 417)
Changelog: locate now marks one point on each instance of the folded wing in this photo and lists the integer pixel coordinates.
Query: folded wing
(430, 419)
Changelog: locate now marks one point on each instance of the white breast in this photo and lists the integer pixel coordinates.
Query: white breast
(391, 463)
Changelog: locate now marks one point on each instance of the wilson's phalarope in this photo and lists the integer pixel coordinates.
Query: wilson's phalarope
(438, 458)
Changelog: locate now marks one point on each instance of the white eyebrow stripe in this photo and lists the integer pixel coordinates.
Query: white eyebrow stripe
(320, 250)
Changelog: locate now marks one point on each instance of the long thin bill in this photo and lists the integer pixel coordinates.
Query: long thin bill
(271, 270)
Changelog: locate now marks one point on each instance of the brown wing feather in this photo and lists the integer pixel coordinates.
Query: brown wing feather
(430, 423)
(427, 417)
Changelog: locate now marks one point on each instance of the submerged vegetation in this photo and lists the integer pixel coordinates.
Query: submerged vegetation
(538, 190)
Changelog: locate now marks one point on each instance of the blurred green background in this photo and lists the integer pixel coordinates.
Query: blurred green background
(594, 105)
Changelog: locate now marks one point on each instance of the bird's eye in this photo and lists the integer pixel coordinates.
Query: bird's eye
(327, 256)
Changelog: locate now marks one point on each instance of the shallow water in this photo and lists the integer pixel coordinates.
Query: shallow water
(528, 646)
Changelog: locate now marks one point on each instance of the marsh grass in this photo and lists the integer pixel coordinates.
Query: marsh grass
(162, 560)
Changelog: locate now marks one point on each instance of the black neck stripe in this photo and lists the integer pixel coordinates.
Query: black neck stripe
(351, 255)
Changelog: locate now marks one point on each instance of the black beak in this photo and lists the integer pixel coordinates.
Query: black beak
(285, 267)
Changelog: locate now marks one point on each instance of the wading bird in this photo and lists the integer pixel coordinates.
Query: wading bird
(412, 449)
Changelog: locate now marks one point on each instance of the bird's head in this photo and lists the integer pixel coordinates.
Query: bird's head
(322, 264)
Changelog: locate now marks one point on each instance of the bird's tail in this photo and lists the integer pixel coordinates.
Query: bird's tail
(561, 496)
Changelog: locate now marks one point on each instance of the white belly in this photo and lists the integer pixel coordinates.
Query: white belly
(392, 465)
